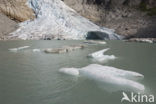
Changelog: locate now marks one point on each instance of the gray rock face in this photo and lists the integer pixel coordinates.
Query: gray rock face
(97, 10)
(123, 16)
(126, 2)
(6, 26)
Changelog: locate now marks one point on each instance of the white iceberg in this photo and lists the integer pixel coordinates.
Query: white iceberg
(36, 50)
(70, 71)
(55, 20)
(109, 78)
(99, 56)
(108, 70)
(19, 48)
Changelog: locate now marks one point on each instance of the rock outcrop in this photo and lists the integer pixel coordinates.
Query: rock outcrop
(16, 9)
(6, 26)
(126, 17)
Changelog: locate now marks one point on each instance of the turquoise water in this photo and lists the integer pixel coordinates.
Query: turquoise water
(28, 77)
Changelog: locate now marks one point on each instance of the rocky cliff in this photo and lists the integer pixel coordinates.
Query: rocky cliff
(127, 17)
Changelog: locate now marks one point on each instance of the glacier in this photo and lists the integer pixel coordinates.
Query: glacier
(55, 20)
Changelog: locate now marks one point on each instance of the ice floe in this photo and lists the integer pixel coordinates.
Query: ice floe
(95, 42)
(70, 71)
(108, 70)
(36, 50)
(19, 48)
(99, 56)
(55, 20)
(108, 78)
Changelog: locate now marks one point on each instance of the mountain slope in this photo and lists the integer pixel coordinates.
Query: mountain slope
(55, 20)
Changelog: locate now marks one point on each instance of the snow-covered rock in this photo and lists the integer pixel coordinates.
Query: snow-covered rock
(55, 20)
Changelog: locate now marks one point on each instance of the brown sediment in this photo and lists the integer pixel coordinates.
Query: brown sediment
(64, 49)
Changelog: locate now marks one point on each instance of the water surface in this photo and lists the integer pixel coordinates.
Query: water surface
(33, 78)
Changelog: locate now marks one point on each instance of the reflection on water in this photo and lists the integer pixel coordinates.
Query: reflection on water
(28, 77)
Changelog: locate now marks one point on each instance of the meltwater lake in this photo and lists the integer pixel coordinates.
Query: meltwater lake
(28, 77)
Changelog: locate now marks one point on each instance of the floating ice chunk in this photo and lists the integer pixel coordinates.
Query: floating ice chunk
(113, 83)
(70, 71)
(109, 78)
(113, 78)
(108, 70)
(19, 48)
(24, 47)
(100, 57)
(36, 50)
(98, 54)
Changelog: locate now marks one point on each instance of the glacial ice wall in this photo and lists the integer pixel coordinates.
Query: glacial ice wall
(55, 20)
